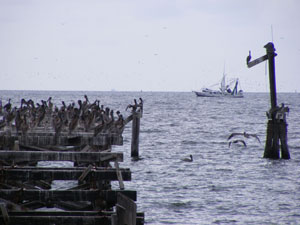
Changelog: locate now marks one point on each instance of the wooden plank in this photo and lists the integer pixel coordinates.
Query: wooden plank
(90, 157)
(12, 206)
(126, 210)
(4, 213)
(23, 174)
(47, 139)
(74, 206)
(257, 61)
(66, 213)
(32, 205)
(65, 217)
(119, 175)
(65, 220)
(85, 173)
(16, 146)
(110, 196)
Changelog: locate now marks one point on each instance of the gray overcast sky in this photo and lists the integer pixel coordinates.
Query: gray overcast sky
(149, 45)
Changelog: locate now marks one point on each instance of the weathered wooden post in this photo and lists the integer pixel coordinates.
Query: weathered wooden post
(137, 113)
(135, 134)
(277, 126)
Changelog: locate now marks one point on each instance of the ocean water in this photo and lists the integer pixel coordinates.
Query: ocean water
(222, 185)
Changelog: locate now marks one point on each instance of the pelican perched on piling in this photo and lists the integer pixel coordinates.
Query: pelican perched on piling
(133, 107)
(74, 121)
(7, 106)
(248, 58)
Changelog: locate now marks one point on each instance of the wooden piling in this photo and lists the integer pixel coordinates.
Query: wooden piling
(135, 134)
(126, 210)
(272, 141)
(25, 187)
(277, 126)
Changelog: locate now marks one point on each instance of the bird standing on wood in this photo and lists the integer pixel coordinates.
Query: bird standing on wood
(24, 125)
(100, 126)
(7, 106)
(74, 121)
(248, 57)
(133, 107)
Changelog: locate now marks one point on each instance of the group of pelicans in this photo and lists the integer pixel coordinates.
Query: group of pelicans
(83, 116)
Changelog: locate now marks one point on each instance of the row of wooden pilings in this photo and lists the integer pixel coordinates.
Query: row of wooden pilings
(27, 179)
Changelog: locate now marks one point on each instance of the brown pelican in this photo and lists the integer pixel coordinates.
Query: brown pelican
(88, 118)
(23, 102)
(10, 115)
(30, 103)
(246, 135)
(74, 121)
(237, 141)
(63, 105)
(57, 122)
(133, 107)
(7, 106)
(141, 103)
(24, 125)
(188, 159)
(248, 57)
(109, 122)
(86, 99)
(119, 124)
(41, 114)
(50, 104)
(100, 126)
(18, 121)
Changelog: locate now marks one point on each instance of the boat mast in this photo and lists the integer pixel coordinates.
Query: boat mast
(223, 87)
(235, 87)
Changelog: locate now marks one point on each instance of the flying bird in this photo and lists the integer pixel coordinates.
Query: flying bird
(237, 141)
(246, 135)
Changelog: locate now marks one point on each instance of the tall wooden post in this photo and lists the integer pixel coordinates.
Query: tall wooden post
(135, 134)
(272, 141)
(271, 58)
(277, 126)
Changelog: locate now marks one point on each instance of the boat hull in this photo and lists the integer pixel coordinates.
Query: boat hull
(218, 94)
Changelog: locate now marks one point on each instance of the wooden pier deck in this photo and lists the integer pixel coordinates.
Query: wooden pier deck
(27, 195)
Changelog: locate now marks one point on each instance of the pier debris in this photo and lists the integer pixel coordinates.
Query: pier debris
(84, 135)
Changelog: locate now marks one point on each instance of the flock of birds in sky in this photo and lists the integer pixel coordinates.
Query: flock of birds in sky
(84, 116)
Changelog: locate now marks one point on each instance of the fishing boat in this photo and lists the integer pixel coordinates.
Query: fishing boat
(224, 90)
